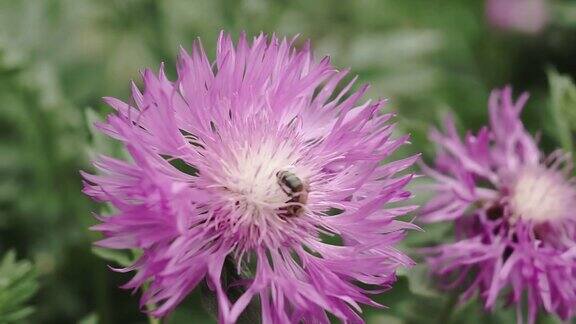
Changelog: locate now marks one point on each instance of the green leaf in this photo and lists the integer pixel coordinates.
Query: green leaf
(17, 315)
(383, 318)
(98, 142)
(119, 257)
(17, 285)
(91, 318)
(563, 108)
(419, 281)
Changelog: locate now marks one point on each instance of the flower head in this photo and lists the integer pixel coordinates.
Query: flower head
(258, 160)
(524, 16)
(513, 210)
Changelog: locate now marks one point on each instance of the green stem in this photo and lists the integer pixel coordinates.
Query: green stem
(448, 309)
(154, 320)
(150, 307)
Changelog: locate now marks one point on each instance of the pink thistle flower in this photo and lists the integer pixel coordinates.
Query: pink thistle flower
(246, 160)
(524, 16)
(513, 211)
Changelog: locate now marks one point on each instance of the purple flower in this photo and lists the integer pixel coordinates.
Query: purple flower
(255, 159)
(524, 16)
(514, 213)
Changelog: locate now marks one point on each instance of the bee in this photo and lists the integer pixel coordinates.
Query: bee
(297, 191)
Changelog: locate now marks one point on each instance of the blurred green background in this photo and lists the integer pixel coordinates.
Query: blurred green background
(59, 57)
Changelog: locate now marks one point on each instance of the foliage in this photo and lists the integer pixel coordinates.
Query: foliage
(17, 285)
(563, 108)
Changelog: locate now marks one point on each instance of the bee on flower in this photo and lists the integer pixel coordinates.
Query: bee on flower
(275, 148)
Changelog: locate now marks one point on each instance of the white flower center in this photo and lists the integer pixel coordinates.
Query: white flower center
(541, 195)
(251, 177)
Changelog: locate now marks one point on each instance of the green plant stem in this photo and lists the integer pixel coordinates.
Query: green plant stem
(448, 309)
(150, 307)
(154, 320)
